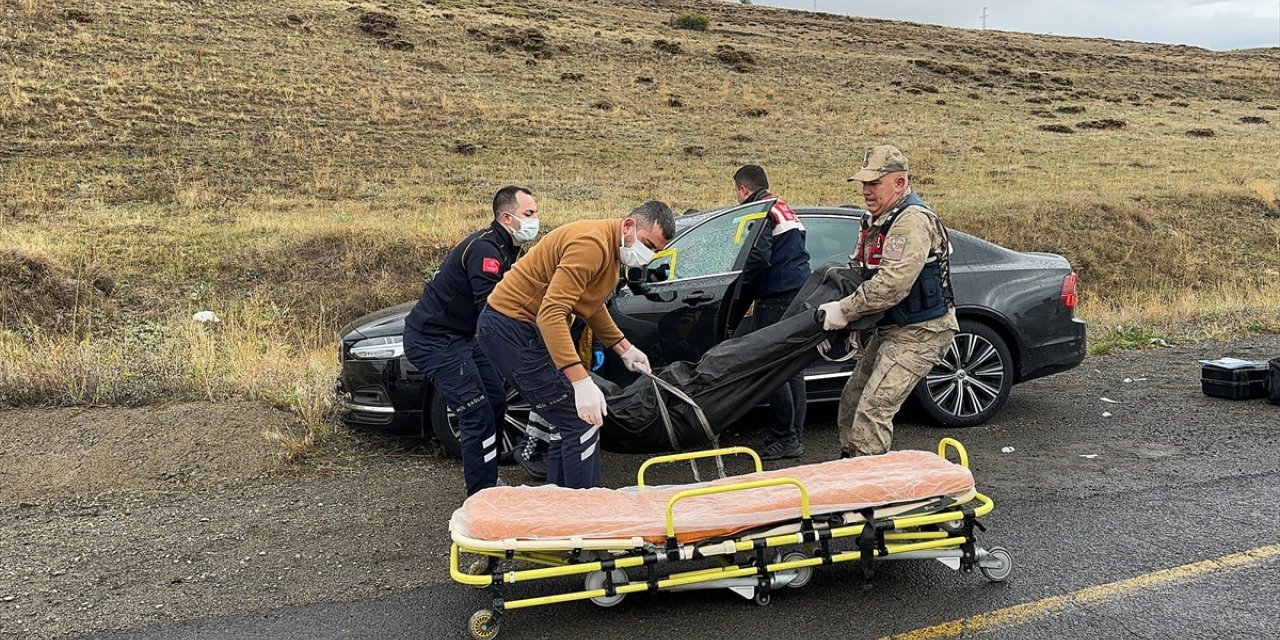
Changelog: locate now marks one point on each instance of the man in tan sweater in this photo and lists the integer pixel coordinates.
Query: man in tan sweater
(524, 330)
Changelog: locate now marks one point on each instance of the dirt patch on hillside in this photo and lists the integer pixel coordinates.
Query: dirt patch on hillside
(350, 273)
(35, 288)
(53, 454)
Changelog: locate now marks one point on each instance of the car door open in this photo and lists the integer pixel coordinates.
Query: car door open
(671, 307)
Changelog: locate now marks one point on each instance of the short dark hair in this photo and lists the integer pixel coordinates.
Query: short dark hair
(752, 177)
(658, 213)
(506, 198)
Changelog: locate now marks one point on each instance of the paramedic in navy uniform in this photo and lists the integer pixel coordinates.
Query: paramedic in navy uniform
(439, 334)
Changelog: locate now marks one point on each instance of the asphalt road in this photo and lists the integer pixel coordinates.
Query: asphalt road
(1148, 517)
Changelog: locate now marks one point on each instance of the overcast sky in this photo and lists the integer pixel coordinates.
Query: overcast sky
(1213, 24)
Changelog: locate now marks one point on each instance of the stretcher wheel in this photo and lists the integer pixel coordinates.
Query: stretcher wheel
(595, 580)
(762, 597)
(803, 574)
(998, 573)
(480, 567)
(482, 625)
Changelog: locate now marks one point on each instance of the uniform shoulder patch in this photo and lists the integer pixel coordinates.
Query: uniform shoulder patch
(894, 246)
(491, 266)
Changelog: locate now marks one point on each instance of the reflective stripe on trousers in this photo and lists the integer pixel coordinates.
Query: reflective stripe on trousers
(518, 352)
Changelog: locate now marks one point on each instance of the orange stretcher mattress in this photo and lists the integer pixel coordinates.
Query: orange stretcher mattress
(852, 484)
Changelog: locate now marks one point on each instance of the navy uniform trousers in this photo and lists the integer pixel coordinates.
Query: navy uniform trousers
(788, 402)
(459, 371)
(518, 352)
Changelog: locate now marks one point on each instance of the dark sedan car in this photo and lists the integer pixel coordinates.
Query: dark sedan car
(1016, 313)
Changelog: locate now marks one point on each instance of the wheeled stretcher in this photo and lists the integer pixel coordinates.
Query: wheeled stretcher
(752, 534)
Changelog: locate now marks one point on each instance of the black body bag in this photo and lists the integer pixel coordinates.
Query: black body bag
(729, 380)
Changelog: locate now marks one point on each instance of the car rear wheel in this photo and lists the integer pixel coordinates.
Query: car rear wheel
(973, 381)
(445, 425)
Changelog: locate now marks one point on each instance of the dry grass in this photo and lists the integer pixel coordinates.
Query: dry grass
(249, 354)
(294, 167)
(31, 9)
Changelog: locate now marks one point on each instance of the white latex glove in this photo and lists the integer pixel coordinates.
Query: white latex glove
(635, 360)
(590, 400)
(834, 318)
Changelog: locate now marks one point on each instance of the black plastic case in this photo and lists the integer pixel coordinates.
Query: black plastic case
(1234, 379)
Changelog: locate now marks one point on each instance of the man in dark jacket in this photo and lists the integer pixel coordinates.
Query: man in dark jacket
(776, 268)
(439, 334)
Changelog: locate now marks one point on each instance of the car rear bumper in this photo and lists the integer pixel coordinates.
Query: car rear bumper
(1056, 356)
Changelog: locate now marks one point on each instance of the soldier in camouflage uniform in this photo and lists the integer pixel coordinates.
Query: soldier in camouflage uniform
(904, 254)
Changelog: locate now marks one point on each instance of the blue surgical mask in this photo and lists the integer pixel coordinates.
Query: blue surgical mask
(527, 229)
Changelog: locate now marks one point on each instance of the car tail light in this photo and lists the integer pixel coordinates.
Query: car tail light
(1069, 292)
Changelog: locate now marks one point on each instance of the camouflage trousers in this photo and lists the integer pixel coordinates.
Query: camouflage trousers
(894, 361)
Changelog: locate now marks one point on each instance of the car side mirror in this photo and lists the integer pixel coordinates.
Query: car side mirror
(638, 277)
(633, 277)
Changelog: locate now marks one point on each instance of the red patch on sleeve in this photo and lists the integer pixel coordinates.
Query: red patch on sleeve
(491, 265)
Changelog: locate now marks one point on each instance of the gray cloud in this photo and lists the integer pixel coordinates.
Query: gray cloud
(1213, 24)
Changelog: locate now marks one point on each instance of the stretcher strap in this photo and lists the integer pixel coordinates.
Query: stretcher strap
(610, 590)
(824, 539)
(499, 601)
(806, 530)
(666, 422)
(651, 571)
(761, 546)
(661, 385)
(870, 542)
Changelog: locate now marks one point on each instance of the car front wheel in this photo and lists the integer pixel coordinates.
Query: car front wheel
(444, 423)
(973, 381)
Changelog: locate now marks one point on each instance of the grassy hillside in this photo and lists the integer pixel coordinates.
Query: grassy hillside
(292, 164)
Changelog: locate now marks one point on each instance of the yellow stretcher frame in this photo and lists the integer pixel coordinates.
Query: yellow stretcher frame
(947, 535)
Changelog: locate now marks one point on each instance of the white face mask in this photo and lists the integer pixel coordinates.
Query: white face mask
(636, 255)
(526, 230)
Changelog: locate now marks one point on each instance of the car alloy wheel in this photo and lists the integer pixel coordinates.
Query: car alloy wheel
(444, 423)
(973, 380)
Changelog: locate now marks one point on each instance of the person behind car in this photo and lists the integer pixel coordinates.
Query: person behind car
(904, 254)
(439, 333)
(524, 330)
(777, 266)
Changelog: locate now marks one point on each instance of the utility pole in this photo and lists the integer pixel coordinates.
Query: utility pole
(984, 18)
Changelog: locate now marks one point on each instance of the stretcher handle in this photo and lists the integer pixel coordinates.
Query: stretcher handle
(954, 444)
(694, 455)
(728, 488)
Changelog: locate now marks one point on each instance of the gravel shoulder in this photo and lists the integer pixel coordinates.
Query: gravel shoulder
(119, 518)
(127, 518)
